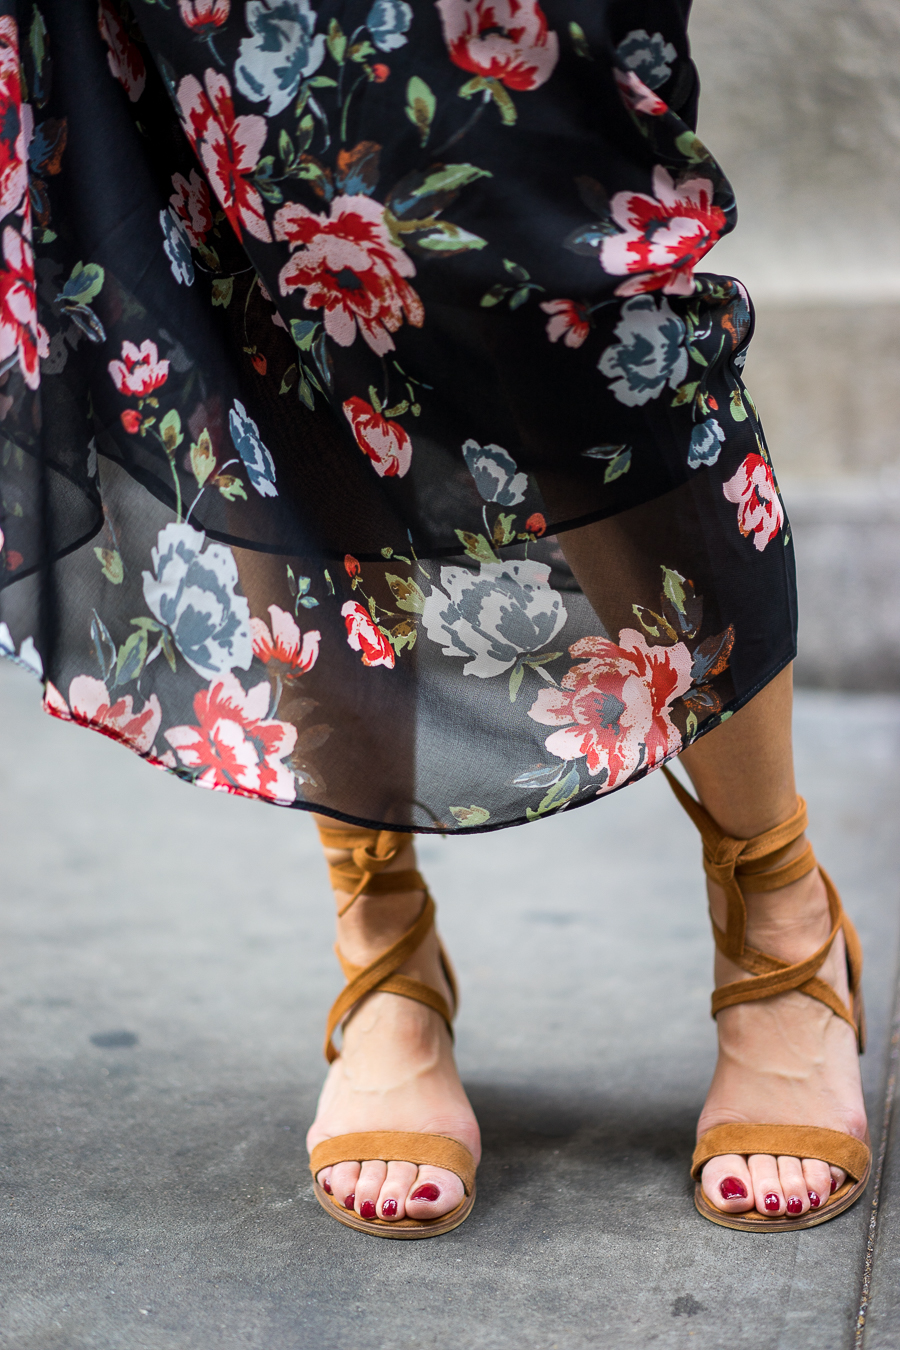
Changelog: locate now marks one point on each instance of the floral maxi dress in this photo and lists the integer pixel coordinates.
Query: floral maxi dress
(369, 440)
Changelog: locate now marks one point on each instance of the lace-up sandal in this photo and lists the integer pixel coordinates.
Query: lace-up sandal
(739, 865)
(363, 871)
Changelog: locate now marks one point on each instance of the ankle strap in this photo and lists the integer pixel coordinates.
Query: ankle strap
(755, 860)
(725, 859)
(371, 851)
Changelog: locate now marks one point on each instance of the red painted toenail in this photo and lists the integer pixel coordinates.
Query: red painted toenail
(794, 1205)
(367, 1210)
(389, 1208)
(814, 1201)
(350, 1200)
(833, 1185)
(732, 1189)
(772, 1202)
(326, 1187)
(427, 1192)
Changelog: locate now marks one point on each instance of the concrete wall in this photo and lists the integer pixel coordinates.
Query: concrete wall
(801, 104)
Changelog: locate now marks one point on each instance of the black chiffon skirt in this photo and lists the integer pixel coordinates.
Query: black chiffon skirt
(369, 440)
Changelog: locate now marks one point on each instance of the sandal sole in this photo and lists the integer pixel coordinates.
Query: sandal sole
(401, 1228)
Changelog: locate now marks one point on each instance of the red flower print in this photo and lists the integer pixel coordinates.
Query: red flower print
(505, 40)
(235, 747)
(124, 57)
(536, 524)
(16, 119)
(753, 489)
(364, 635)
(192, 205)
(283, 646)
(349, 267)
(662, 237)
(90, 705)
(380, 72)
(22, 338)
(613, 708)
(386, 443)
(203, 17)
(228, 147)
(636, 95)
(140, 370)
(131, 421)
(351, 566)
(568, 320)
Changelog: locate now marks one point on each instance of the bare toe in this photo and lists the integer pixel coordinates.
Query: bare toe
(324, 1179)
(368, 1188)
(391, 1203)
(434, 1192)
(793, 1187)
(817, 1176)
(838, 1177)
(344, 1176)
(767, 1193)
(726, 1183)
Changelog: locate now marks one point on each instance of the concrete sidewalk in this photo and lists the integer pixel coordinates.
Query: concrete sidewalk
(165, 969)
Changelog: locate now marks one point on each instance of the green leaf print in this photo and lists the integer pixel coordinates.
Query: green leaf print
(420, 106)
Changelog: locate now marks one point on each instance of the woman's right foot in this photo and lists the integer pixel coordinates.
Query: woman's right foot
(396, 1070)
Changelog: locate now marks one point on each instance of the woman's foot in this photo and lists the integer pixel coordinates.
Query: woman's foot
(395, 1072)
(782, 1060)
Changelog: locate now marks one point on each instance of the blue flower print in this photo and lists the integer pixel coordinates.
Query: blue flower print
(283, 50)
(388, 22)
(192, 592)
(177, 248)
(706, 443)
(650, 352)
(257, 460)
(495, 472)
(649, 57)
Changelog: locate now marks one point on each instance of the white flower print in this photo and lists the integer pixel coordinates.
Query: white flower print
(649, 354)
(649, 57)
(257, 460)
(193, 594)
(494, 616)
(495, 472)
(388, 22)
(283, 50)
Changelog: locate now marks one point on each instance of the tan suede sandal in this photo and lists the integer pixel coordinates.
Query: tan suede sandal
(733, 864)
(372, 851)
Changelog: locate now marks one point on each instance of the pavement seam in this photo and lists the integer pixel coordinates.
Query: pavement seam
(887, 1116)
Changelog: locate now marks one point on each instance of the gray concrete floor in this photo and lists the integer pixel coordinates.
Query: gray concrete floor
(164, 974)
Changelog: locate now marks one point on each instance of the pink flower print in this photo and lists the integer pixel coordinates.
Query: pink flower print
(364, 635)
(17, 121)
(235, 747)
(753, 489)
(283, 646)
(386, 443)
(505, 40)
(662, 237)
(228, 147)
(139, 371)
(636, 95)
(613, 708)
(124, 57)
(192, 206)
(349, 267)
(91, 705)
(568, 321)
(22, 338)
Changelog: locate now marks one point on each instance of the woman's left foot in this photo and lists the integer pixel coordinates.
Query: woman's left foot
(784, 1060)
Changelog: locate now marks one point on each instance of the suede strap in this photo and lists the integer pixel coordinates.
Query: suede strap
(792, 1141)
(739, 865)
(371, 852)
(434, 1150)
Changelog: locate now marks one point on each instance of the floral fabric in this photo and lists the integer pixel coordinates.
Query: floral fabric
(370, 438)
